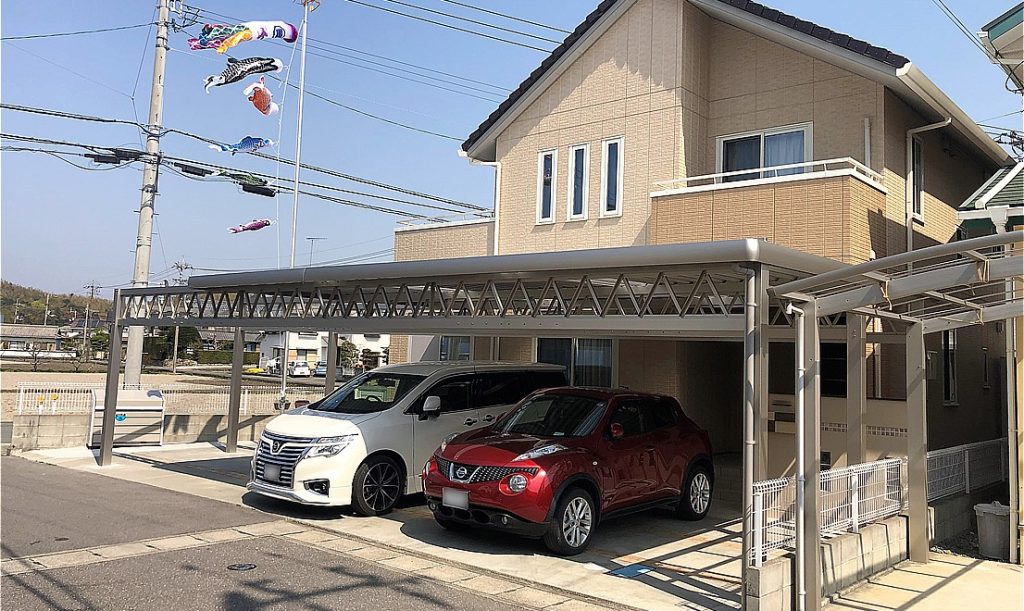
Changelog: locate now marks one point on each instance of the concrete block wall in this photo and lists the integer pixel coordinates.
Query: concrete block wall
(45, 431)
(845, 560)
(949, 518)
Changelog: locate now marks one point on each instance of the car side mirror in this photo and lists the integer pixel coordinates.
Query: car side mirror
(616, 431)
(432, 406)
(301, 403)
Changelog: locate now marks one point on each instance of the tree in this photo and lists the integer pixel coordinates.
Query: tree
(82, 356)
(347, 354)
(35, 352)
(100, 341)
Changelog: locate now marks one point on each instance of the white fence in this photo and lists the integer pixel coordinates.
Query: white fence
(848, 498)
(960, 469)
(179, 398)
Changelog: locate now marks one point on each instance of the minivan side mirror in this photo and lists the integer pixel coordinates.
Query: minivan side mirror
(616, 431)
(432, 406)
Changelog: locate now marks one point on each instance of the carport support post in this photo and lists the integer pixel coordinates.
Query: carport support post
(113, 383)
(917, 444)
(332, 362)
(235, 396)
(761, 403)
(749, 421)
(810, 383)
(856, 387)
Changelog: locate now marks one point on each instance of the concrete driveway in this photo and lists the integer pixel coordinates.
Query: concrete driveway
(645, 561)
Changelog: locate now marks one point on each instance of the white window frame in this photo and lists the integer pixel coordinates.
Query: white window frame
(605, 213)
(807, 128)
(917, 178)
(540, 185)
(571, 180)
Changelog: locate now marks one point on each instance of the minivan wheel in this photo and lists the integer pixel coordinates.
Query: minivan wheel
(376, 487)
(572, 524)
(695, 500)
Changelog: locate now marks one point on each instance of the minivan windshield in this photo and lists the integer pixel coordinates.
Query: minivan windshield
(369, 393)
(554, 415)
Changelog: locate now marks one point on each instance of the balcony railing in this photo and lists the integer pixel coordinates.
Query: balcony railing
(825, 168)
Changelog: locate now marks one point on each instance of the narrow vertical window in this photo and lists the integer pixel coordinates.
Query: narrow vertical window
(918, 182)
(546, 166)
(611, 177)
(578, 178)
(949, 389)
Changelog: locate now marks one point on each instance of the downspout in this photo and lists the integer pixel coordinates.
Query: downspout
(801, 460)
(909, 189)
(497, 192)
(999, 218)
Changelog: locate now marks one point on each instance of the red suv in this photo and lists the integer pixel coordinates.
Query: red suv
(566, 458)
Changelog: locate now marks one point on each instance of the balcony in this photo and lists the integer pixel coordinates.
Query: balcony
(832, 208)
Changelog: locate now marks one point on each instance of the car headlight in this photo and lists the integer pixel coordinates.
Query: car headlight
(447, 440)
(517, 483)
(331, 446)
(538, 452)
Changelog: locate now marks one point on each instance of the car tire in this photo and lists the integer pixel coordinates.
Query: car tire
(695, 498)
(376, 486)
(572, 524)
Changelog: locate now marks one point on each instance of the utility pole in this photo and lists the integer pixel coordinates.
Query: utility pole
(46, 310)
(144, 241)
(86, 336)
(312, 241)
(181, 266)
(17, 304)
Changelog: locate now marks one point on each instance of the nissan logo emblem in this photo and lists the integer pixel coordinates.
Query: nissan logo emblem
(461, 472)
(275, 447)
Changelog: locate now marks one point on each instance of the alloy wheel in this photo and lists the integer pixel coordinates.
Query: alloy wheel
(576, 522)
(381, 486)
(700, 492)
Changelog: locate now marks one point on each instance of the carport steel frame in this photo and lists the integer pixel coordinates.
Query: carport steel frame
(717, 290)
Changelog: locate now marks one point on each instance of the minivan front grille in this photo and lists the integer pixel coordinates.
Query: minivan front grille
(475, 474)
(281, 451)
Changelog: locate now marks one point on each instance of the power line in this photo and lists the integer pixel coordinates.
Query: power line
(473, 21)
(451, 27)
(80, 32)
(1008, 114)
(507, 16)
(66, 69)
(960, 26)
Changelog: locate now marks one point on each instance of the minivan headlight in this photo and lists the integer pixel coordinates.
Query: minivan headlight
(331, 446)
(447, 440)
(538, 452)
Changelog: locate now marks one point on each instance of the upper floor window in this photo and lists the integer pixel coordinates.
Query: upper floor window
(917, 156)
(764, 149)
(547, 162)
(611, 177)
(579, 176)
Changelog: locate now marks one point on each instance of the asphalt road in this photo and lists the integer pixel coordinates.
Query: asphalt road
(49, 509)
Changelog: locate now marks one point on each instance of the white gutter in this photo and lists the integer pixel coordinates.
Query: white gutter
(910, 178)
(801, 460)
(497, 192)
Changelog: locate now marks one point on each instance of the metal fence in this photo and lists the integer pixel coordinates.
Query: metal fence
(848, 498)
(960, 469)
(179, 398)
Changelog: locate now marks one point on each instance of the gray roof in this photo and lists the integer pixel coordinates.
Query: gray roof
(12, 331)
(1004, 188)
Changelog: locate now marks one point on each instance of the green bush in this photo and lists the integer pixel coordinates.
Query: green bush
(223, 357)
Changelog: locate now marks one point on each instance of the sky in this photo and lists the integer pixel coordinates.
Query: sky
(62, 227)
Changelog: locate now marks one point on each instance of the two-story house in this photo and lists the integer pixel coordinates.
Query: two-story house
(667, 121)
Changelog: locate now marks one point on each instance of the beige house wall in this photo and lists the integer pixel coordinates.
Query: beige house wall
(644, 80)
(444, 241)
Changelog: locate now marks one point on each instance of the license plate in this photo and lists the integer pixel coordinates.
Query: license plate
(456, 499)
(271, 473)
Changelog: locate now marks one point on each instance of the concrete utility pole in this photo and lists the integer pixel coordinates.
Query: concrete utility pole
(46, 310)
(181, 266)
(86, 336)
(144, 241)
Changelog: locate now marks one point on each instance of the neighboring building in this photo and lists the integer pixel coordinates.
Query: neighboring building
(312, 347)
(667, 121)
(214, 338)
(998, 205)
(1004, 39)
(371, 348)
(35, 342)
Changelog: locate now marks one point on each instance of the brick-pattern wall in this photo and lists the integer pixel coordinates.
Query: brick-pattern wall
(649, 365)
(444, 242)
(516, 349)
(644, 80)
(822, 216)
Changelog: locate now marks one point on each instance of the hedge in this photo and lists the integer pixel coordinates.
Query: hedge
(223, 357)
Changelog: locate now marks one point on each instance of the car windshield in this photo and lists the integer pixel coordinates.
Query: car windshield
(369, 393)
(554, 415)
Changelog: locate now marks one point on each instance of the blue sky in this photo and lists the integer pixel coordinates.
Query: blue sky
(63, 227)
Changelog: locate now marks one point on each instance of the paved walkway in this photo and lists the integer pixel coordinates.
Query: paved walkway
(947, 582)
(649, 561)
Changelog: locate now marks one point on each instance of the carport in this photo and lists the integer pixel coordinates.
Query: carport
(735, 290)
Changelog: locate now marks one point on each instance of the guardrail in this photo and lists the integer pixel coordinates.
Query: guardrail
(179, 398)
(848, 498)
(807, 169)
(960, 469)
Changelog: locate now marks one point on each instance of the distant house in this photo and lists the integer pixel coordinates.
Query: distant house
(215, 337)
(26, 341)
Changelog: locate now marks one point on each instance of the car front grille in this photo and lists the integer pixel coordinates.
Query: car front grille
(289, 451)
(478, 474)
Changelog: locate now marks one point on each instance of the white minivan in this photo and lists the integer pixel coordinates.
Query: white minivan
(365, 444)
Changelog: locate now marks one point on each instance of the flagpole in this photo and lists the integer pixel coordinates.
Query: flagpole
(295, 191)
